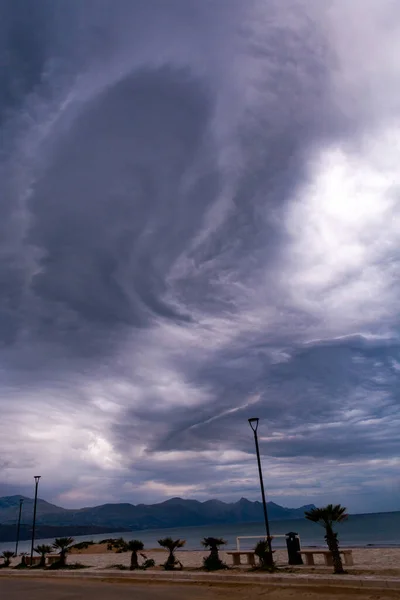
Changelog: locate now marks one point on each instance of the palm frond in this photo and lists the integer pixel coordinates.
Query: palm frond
(135, 545)
(171, 544)
(63, 543)
(327, 515)
(43, 549)
(212, 542)
(166, 542)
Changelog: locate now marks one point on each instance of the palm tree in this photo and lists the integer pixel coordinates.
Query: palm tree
(262, 550)
(43, 550)
(23, 559)
(134, 546)
(7, 555)
(171, 545)
(326, 517)
(63, 544)
(213, 561)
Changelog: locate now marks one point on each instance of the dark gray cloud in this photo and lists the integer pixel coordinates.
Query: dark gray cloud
(199, 221)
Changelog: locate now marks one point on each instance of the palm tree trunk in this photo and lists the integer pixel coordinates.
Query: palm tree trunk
(171, 559)
(331, 540)
(42, 561)
(214, 554)
(134, 561)
(269, 559)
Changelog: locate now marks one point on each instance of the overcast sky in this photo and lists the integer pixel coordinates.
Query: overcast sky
(200, 223)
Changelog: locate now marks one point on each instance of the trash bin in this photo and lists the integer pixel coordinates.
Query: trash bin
(293, 547)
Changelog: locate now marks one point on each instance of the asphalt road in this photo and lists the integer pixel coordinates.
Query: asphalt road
(14, 588)
(30, 589)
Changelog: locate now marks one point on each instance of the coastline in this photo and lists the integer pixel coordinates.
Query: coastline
(375, 530)
(369, 561)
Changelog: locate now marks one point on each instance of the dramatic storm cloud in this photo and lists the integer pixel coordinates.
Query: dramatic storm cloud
(200, 222)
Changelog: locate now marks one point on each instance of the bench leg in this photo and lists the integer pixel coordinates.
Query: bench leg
(250, 560)
(236, 559)
(310, 559)
(348, 559)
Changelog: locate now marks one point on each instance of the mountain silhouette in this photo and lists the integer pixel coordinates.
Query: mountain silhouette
(175, 512)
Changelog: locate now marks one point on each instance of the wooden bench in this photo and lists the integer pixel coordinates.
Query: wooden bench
(309, 556)
(32, 562)
(236, 554)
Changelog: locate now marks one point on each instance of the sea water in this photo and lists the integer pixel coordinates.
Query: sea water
(377, 530)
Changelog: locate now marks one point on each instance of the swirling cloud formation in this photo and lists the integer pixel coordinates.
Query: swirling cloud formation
(200, 222)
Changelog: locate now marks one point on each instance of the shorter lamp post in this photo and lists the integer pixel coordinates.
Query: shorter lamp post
(254, 425)
(21, 501)
(36, 477)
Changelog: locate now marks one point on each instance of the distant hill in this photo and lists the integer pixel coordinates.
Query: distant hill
(175, 512)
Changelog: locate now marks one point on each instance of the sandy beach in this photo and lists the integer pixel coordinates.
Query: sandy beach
(368, 562)
(379, 561)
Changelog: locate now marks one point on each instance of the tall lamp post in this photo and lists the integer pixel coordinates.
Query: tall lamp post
(21, 501)
(36, 477)
(254, 425)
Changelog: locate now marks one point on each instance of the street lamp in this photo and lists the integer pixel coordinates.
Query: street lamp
(254, 425)
(21, 501)
(36, 477)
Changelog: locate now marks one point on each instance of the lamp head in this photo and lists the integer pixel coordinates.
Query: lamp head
(254, 423)
(37, 477)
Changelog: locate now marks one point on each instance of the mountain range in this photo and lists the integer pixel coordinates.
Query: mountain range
(176, 512)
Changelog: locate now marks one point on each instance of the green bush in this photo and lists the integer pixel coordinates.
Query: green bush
(118, 566)
(213, 563)
(72, 567)
(7, 556)
(21, 565)
(83, 545)
(264, 555)
(148, 563)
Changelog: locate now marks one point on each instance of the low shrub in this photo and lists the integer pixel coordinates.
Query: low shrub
(7, 556)
(148, 564)
(264, 555)
(118, 566)
(213, 563)
(21, 565)
(83, 545)
(71, 567)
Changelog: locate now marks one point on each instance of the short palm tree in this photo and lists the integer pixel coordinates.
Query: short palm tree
(43, 550)
(327, 516)
(262, 552)
(23, 558)
(134, 546)
(171, 545)
(62, 545)
(7, 555)
(212, 561)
